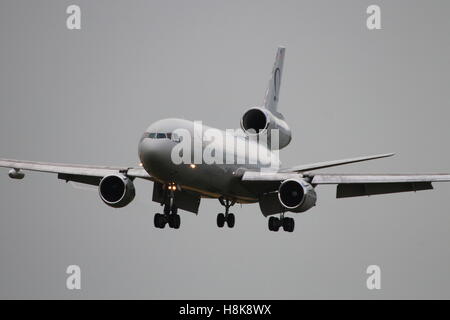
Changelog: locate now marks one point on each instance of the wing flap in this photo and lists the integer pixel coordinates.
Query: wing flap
(367, 189)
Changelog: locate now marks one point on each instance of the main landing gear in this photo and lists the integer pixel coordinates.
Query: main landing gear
(170, 216)
(287, 223)
(226, 217)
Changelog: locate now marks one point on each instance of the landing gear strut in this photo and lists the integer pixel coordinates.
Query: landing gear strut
(287, 223)
(226, 217)
(170, 216)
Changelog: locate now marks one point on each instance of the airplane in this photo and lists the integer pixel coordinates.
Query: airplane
(260, 180)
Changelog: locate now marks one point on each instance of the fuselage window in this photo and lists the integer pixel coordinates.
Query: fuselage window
(160, 136)
(152, 135)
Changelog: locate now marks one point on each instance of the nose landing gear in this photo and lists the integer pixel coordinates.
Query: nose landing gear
(170, 216)
(287, 223)
(226, 217)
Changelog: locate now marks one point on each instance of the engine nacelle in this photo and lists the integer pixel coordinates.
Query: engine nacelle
(260, 121)
(297, 195)
(116, 191)
(16, 174)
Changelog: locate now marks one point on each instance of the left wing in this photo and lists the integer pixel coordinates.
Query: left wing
(356, 185)
(349, 185)
(71, 172)
(376, 178)
(334, 163)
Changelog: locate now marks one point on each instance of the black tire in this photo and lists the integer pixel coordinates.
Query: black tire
(171, 220)
(177, 221)
(274, 224)
(288, 224)
(156, 220)
(271, 223)
(159, 221)
(292, 225)
(220, 220)
(231, 220)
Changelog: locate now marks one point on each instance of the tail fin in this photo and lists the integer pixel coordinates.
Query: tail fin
(273, 91)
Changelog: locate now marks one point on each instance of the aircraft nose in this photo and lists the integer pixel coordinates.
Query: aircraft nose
(152, 155)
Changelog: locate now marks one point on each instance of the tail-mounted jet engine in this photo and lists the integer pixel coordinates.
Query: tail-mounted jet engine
(260, 121)
(297, 195)
(116, 191)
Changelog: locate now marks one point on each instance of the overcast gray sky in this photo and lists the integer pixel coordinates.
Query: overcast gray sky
(86, 96)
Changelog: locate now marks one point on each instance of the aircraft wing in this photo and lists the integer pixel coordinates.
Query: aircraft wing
(377, 178)
(349, 185)
(72, 172)
(333, 163)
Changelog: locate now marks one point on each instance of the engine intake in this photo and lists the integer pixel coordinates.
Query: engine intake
(260, 121)
(116, 191)
(297, 195)
(256, 120)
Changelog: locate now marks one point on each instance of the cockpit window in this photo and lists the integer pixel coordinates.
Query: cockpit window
(160, 136)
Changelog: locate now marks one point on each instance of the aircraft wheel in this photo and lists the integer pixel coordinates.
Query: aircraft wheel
(220, 220)
(274, 224)
(177, 226)
(159, 221)
(174, 221)
(230, 220)
(288, 224)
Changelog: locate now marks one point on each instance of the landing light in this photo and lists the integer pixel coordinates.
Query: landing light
(193, 166)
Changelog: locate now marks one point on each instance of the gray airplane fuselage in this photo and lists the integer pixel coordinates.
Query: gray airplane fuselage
(209, 180)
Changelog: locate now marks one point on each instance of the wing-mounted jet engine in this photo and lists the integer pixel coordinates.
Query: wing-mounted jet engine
(297, 195)
(116, 191)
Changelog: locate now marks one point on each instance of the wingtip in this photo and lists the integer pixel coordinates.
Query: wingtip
(390, 154)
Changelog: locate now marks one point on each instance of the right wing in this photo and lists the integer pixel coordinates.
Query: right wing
(77, 173)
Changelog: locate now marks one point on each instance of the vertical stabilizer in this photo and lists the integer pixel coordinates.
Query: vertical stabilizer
(273, 91)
